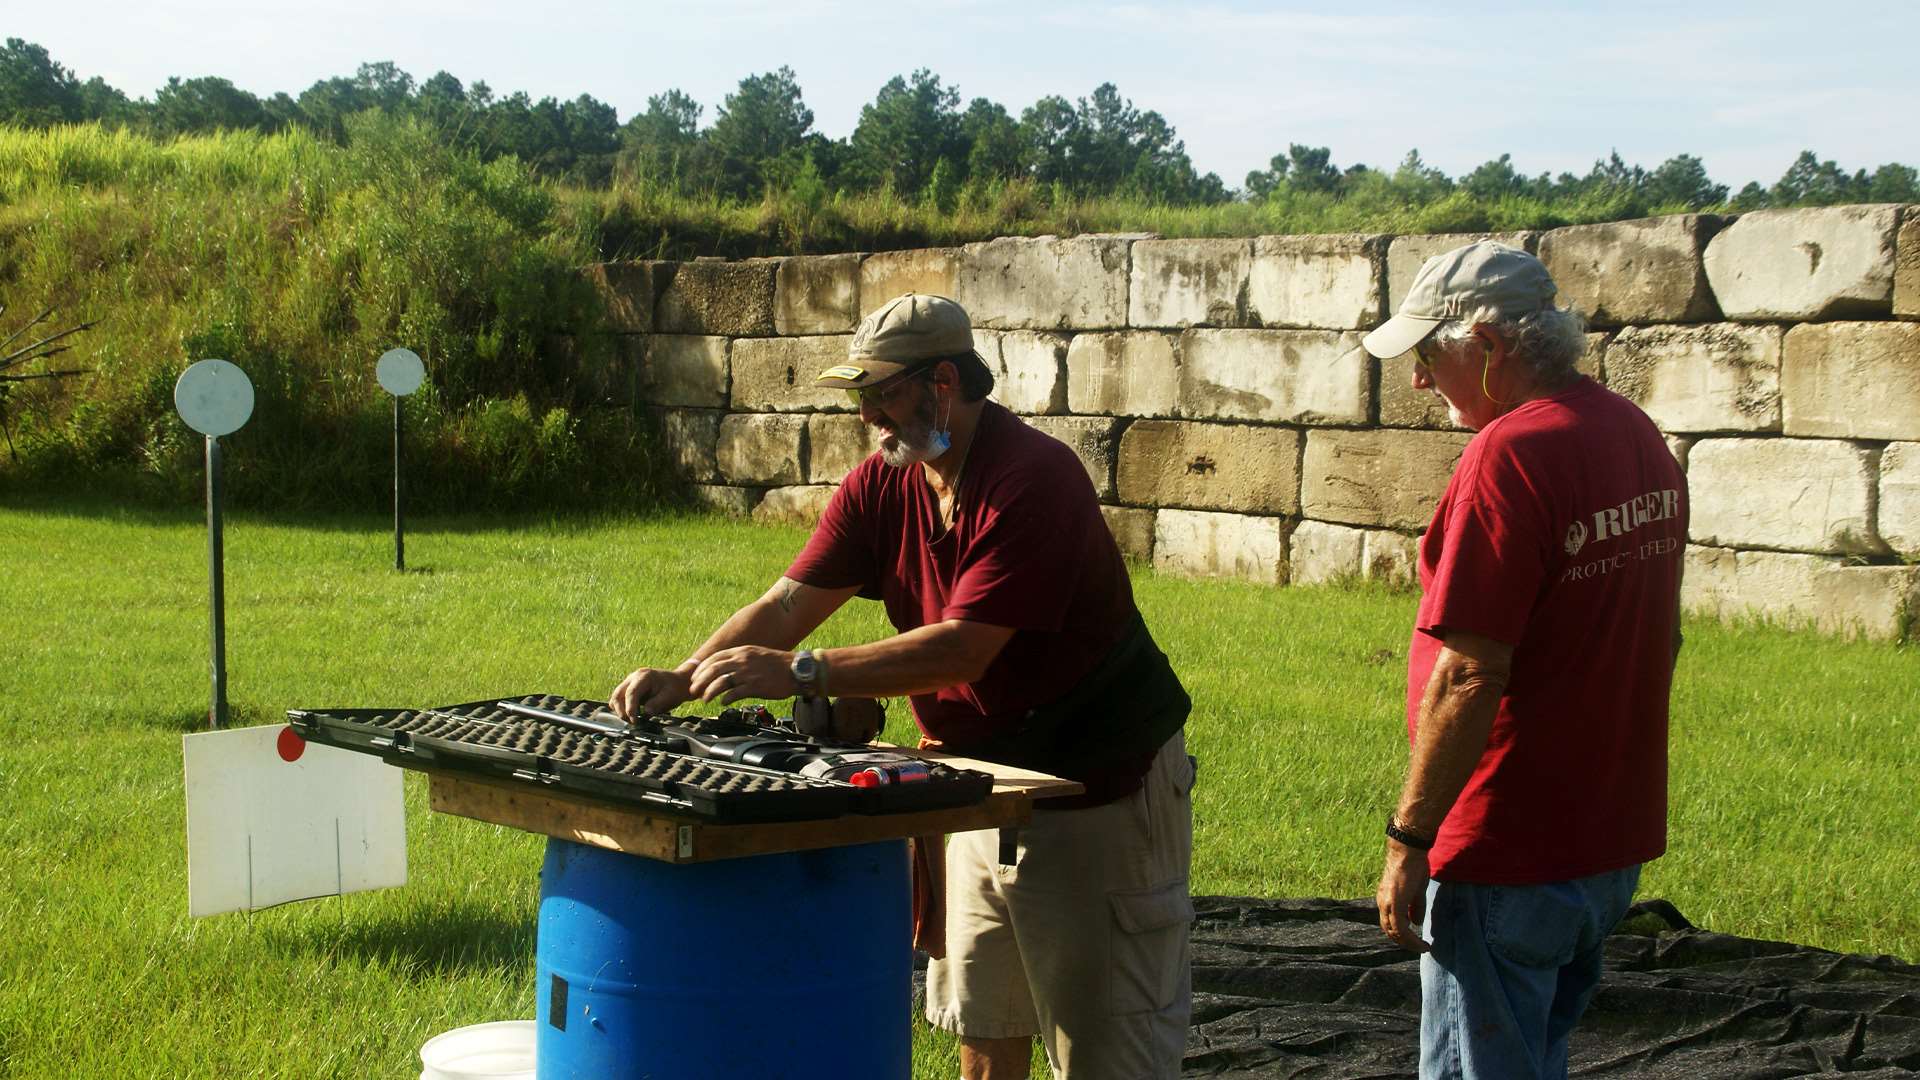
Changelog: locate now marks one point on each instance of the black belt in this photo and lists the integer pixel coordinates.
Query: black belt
(1127, 706)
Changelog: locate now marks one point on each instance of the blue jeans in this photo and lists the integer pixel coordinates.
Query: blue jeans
(1512, 969)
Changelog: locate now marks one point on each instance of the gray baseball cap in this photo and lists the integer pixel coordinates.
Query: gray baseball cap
(1458, 283)
(906, 333)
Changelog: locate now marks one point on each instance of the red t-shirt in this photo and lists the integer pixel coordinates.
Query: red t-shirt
(1561, 533)
(1028, 550)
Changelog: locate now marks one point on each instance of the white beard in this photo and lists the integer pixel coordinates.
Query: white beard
(902, 449)
(911, 442)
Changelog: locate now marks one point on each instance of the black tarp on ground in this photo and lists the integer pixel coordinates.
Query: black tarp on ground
(1312, 988)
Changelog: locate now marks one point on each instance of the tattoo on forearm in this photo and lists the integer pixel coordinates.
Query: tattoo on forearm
(787, 591)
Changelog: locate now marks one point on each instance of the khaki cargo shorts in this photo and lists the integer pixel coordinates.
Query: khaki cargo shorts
(1083, 940)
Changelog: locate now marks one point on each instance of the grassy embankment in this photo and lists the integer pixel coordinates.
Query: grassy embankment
(1791, 789)
(303, 261)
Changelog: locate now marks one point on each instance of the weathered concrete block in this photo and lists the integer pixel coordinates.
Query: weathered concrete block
(1680, 447)
(1593, 363)
(1401, 405)
(1319, 553)
(816, 294)
(1029, 369)
(1906, 265)
(1830, 263)
(1132, 530)
(762, 448)
(1390, 557)
(604, 367)
(1179, 283)
(1296, 376)
(1407, 254)
(1645, 271)
(735, 501)
(1853, 380)
(1319, 282)
(1045, 283)
(1825, 593)
(793, 505)
(1210, 466)
(619, 369)
(776, 374)
(1133, 374)
(933, 271)
(836, 444)
(1700, 378)
(1900, 498)
(628, 291)
(686, 371)
(1811, 495)
(1390, 478)
(731, 299)
(691, 437)
(1194, 543)
(1092, 438)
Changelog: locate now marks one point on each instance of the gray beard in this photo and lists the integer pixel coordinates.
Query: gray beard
(911, 442)
(905, 448)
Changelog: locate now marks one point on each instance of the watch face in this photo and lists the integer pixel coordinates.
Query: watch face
(805, 667)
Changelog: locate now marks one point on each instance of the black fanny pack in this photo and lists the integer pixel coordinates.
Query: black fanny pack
(1126, 707)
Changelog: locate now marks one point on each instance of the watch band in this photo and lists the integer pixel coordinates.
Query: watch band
(1413, 840)
(807, 672)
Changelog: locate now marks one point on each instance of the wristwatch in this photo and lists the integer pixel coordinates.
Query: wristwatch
(807, 669)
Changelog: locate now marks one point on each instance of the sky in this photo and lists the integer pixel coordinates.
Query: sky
(1744, 86)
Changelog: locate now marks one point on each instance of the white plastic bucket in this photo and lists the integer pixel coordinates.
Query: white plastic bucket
(502, 1050)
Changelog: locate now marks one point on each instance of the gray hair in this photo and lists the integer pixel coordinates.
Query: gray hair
(1551, 340)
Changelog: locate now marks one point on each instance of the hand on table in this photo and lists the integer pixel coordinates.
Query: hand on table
(745, 671)
(651, 691)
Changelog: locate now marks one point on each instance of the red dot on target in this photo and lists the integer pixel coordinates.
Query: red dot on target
(290, 745)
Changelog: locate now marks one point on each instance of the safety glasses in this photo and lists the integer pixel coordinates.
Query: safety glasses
(880, 393)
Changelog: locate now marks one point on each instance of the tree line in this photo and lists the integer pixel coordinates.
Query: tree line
(914, 139)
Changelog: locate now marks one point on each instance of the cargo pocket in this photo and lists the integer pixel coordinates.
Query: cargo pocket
(1149, 961)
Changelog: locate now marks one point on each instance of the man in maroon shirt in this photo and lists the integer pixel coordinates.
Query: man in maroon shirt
(1538, 674)
(1018, 642)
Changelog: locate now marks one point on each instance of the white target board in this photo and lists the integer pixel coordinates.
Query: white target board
(214, 397)
(272, 818)
(400, 371)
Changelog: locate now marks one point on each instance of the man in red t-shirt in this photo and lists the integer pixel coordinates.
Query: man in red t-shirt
(1018, 642)
(1538, 674)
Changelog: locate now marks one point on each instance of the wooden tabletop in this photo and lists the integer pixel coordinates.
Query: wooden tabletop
(668, 837)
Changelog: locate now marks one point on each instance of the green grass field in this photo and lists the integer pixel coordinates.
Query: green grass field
(1794, 759)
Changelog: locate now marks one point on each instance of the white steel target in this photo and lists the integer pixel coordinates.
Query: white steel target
(400, 372)
(214, 397)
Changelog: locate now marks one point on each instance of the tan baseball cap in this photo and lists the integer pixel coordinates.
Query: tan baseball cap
(906, 333)
(1459, 283)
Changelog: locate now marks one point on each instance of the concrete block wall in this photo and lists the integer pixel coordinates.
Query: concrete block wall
(1233, 426)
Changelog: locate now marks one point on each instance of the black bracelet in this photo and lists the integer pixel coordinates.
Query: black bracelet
(1410, 839)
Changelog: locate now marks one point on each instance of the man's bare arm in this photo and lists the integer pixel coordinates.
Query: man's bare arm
(1456, 714)
(1457, 709)
(923, 659)
(779, 619)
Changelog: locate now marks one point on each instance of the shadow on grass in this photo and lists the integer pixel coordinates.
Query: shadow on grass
(92, 507)
(193, 721)
(425, 941)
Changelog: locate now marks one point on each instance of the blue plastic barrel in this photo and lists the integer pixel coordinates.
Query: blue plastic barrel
(791, 965)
